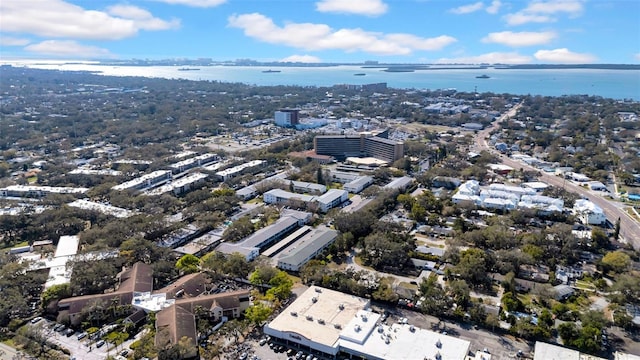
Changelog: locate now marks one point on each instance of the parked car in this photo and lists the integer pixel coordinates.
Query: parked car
(82, 335)
(262, 342)
(100, 343)
(69, 332)
(35, 320)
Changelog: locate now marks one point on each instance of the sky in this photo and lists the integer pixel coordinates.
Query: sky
(342, 31)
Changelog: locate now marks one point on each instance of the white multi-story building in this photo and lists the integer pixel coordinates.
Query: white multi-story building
(588, 212)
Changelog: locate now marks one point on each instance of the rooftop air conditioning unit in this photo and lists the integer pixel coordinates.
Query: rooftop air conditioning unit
(293, 313)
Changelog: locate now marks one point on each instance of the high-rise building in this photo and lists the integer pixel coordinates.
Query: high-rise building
(365, 144)
(287, 117)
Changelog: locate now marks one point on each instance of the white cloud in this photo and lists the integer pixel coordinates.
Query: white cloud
(301, 59)
(466, 9)
(57, 18)
(516, 39)
(12, 41)
(521, 18)
(572, 7)
(494, 7)
(540, 11)
(311, 36)
(195, 3)
(564, 56)
(489, 58)
(67, 48)
(361, 7)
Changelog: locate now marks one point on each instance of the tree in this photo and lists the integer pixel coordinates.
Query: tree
(55, 292)
(258, 313)
(281, 286)
(617, 261)
(473, 266)
(511, 303)
(188, 263)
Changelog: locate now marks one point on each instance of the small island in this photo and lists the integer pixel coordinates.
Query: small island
(483, 76)
(188, 69)
(359, 74)
(270, 71)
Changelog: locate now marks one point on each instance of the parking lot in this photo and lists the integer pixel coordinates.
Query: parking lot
(84, 348)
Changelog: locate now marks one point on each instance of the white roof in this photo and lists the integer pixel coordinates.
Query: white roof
(584, 205)
(67, 246)
(544, 351)
(399, 341)
(333, 308)
(103, 208)
(140, 180)
(49, 189)
(175, 184)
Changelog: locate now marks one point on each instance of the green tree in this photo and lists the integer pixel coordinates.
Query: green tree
(281, 286)
(617, 261)
(511, 303)
(188, 263)
(258, 313)
(55, 292)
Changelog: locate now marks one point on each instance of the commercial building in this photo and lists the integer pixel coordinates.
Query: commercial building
(362, 145)
(545, 351)
(287, 117)
(505, 197)
(38, 191)
(145, 181)
(306, 248)
(332, 324)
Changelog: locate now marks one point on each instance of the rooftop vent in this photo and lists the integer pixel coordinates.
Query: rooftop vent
(309, 317)
(341, 306)
(314, 299)
(364, 318)
(357, 328)
(318, 290)
(439, 344)
(320, 321)
(380, 329)
(412, 328)
(337, 326)
(293, 313)
(438, 356)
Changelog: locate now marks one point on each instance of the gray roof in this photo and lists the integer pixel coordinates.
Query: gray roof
(399, 183)
(259, 236)
(309, 244)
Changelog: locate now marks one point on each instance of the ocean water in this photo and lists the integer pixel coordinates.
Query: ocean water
(616, 84)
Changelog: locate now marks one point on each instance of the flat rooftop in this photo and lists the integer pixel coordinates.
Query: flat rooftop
(320, 320)
(398, 341)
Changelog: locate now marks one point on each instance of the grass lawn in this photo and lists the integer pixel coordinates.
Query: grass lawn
(24, 243)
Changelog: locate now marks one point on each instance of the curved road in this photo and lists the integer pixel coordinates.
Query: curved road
(629, 227)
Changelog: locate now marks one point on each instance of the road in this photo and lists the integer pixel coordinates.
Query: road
(629, 227)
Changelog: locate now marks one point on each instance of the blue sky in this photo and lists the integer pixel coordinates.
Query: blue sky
(398, 31)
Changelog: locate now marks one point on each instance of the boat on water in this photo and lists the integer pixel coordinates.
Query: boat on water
(270, 71)
(483, 76)
(188, 69)
(360, 74)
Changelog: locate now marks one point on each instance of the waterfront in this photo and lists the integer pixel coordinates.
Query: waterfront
(616, 84)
